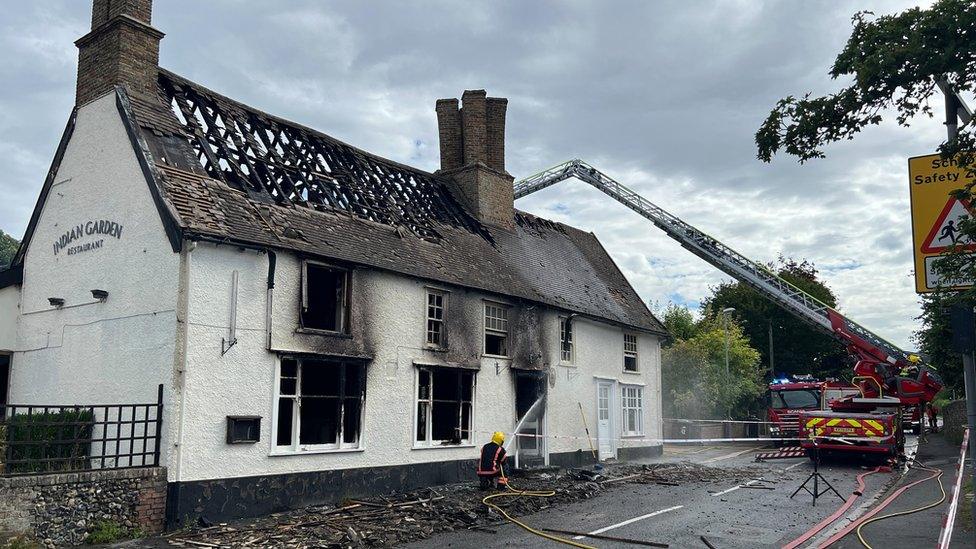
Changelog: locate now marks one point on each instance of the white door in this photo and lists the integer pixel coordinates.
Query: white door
(604, 420)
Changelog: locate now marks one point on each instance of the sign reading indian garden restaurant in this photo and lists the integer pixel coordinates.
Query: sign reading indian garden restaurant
(93, 228)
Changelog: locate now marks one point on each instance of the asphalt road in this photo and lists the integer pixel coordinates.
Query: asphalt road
(728, 515)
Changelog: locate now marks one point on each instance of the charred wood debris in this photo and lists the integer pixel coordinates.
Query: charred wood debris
(401, 518)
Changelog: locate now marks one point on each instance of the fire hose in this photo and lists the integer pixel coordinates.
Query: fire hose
(867, 518)
(937, 476)
(512, 492)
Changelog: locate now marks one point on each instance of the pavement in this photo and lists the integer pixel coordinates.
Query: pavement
(919, 529)
(756, 513)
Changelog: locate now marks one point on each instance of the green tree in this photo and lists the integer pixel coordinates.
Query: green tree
(679, 322)
(933, 340)
(798, 348)
(8, 248)
(693, 374)
(893, 63)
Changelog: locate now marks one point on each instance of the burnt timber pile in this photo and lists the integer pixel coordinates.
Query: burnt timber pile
(417, 515)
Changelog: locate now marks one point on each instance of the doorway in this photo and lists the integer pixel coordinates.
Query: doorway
(4, 378)
(606, 446)
(530, 411)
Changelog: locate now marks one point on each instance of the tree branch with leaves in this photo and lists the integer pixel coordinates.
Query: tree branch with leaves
(894, 63)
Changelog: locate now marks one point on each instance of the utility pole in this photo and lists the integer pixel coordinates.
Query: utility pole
(725, 317)
(956, 111)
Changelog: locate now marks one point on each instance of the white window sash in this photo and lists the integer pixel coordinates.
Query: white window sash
(296, 418)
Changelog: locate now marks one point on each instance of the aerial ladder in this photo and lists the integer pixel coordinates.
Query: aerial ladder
(879, 362)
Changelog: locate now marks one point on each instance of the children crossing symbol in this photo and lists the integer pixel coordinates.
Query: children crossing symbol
(945, 231)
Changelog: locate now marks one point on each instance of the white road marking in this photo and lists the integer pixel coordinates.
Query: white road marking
(795, 465)
(734, 488)
(631, 521)
(732, 455)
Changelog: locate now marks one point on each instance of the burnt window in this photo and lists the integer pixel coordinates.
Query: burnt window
(325, 301)
(496, 329)
(320, 404)
(436, 305)
(630, 353)
(444, 397)
(565, 341)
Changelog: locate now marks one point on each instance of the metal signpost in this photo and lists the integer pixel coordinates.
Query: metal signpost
(935, 216)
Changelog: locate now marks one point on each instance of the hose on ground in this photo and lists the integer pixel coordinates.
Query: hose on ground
(922, 466)
(512, 492)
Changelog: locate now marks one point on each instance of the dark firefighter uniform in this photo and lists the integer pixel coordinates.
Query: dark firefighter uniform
(490, 464)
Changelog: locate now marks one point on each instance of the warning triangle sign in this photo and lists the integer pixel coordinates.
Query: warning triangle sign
(945, 231)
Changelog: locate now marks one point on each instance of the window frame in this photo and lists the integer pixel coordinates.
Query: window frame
(486, 331)
(429, 442)
(571, 360)
(296, 447)
(345, 307)
(626, 402)
(444, 295)
(635, 354)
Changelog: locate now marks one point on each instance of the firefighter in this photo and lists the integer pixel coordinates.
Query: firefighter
(490, 465)
(933, 413)
(911, 370)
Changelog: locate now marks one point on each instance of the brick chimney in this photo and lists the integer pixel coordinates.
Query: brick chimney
(121, 49)
(472, 136)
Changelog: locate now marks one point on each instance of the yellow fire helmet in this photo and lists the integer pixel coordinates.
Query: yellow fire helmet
(498, 438)
(914, 359)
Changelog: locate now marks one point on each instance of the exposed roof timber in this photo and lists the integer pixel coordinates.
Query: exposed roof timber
(275, 160)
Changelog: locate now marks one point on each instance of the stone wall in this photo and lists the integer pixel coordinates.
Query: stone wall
(954, 420)
(61, 509)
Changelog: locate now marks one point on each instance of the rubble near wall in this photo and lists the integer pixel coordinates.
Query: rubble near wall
(401, 518)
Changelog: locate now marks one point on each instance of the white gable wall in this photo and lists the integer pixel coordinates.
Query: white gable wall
(119, 350)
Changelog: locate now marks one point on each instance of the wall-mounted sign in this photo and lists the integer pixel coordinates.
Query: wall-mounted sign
(87, 236)
(935, 217)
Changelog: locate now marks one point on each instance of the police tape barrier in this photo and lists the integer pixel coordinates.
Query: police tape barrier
(745, 421)
(948, 521)
(662, 440)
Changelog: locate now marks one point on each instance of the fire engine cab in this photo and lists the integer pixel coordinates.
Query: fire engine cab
(788, 397)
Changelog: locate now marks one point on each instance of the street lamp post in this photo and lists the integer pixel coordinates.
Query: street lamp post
(725, 317)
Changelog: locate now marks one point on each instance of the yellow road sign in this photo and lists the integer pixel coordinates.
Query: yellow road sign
(935, 217)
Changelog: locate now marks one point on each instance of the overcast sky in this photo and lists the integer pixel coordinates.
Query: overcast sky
(663, 96)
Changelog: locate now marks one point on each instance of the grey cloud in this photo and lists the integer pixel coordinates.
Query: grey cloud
(664, 95)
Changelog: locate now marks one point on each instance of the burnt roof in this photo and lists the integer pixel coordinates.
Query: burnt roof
(231, 172)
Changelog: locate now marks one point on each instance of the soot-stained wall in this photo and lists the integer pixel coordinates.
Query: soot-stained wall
(388, 327)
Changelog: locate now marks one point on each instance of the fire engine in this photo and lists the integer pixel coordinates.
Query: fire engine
(882, 391)
(788, 397)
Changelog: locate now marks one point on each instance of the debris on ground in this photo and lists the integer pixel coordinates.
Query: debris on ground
(416, 515)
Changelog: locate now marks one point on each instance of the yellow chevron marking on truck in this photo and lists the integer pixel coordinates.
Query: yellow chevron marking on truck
(812, 422)
(854, 423)
(833, 422)
(875, 424)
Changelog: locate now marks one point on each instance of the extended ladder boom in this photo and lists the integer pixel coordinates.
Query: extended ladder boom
(731, 262)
